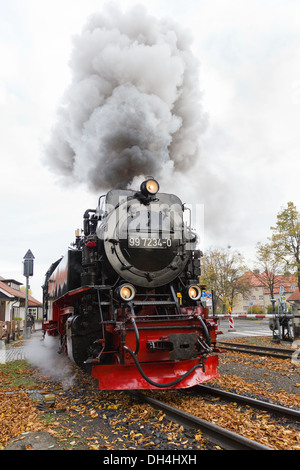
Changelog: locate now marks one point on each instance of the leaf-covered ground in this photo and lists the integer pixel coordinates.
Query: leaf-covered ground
(87, 418)
(83, 417)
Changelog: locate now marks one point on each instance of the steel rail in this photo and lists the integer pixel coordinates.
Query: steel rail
(254, 346)
(222, 437)
(270, 407)
(279, 353)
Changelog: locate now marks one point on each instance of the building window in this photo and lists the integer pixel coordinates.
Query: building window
(293, 287)
(253, 297)
(261, 297)
(13, 285)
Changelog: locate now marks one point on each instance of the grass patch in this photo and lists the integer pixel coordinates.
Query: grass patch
(16, 375)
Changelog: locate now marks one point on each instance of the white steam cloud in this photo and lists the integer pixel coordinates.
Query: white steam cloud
(134, 105)
(43, 354)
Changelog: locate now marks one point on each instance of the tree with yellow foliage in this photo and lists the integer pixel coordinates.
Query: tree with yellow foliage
(286, 238)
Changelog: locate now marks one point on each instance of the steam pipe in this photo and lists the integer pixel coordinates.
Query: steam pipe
(86, 220)
(175, 299)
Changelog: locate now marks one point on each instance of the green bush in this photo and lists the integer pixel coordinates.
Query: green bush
(256, 310)
(270, 309)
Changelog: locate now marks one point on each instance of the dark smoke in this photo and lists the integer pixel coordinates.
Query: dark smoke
(134, 105)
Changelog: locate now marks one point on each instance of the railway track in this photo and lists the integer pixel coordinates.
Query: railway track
(279, 353)
(282, 411)
(222, 437)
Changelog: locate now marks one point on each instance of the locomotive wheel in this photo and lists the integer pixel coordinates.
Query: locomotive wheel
(80, 340)
(116, 359)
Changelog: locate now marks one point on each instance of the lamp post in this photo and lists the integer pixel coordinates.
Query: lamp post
(27, 272)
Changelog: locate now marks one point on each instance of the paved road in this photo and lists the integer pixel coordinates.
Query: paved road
(16, 350)
(11, 354)
(244, 327)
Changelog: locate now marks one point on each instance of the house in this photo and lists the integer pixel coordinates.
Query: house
(12, 301)
(259, 295)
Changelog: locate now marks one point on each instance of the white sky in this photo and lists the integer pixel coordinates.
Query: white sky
(249, 53)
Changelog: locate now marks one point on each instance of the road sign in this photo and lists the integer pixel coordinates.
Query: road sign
(281, 290)
(28, 264)
(206, 297)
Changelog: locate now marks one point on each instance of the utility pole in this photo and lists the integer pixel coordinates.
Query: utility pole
(27, 272)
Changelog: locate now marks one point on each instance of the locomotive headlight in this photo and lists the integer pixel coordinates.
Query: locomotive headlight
(149, 187)
(194, 292)
(126, 292)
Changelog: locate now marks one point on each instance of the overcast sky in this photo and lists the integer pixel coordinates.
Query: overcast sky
(249, 54)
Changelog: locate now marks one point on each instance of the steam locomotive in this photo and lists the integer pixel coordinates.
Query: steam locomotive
(125, 301)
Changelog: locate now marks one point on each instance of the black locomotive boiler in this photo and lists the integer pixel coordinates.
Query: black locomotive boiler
(125, 301)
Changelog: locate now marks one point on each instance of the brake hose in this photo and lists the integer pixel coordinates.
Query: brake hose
(207, 335)
(151, 382)
(137, 336)
(133, 355)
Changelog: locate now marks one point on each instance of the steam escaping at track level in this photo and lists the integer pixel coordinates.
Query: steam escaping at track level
(134, 105)
(43, 354)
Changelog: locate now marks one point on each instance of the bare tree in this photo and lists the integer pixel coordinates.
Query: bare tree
(221, 271)
(270, 263)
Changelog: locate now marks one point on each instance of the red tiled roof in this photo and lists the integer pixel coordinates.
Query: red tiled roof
(294, 296)
(281, 280)
(32, 302)
(250, 278)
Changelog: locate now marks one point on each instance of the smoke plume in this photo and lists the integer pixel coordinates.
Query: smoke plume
(134, 105)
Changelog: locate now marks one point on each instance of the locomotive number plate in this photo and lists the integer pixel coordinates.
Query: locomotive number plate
(145, 242)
